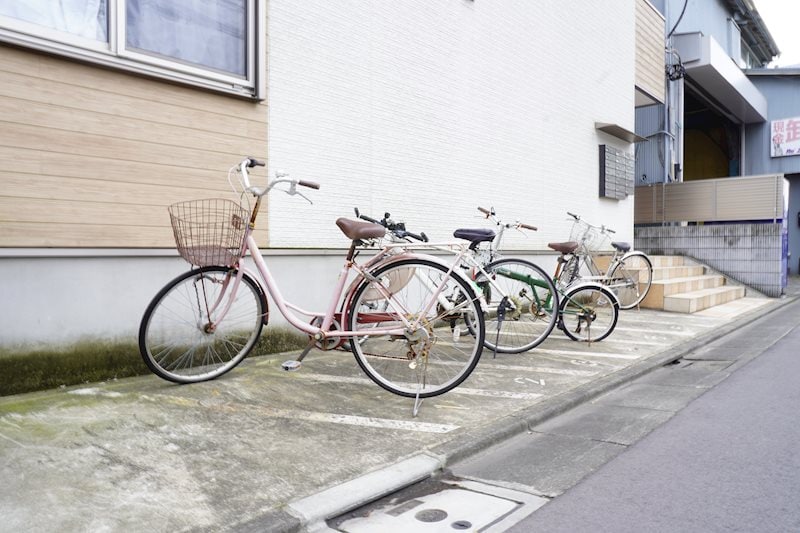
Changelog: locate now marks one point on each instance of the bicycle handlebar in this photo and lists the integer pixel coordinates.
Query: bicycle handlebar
(309, 184)
(601, 228)
(491, 213)
(398, 229)
(280, 177)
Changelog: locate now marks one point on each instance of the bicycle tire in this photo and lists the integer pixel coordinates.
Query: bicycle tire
(174, 339)
(436, 359)
(584, 308)
(631, 279)
(570, 272)
(535, 301)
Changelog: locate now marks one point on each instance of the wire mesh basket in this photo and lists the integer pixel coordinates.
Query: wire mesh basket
(590, 238)
(209, 232)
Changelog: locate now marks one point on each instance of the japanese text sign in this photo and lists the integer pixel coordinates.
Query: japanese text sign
(785, 137)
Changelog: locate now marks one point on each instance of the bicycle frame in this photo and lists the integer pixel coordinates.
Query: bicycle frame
(291, 311)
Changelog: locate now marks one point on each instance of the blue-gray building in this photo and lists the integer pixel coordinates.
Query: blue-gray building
(725, 114)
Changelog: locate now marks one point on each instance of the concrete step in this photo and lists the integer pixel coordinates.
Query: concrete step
(663, 288)
(691, 302)
(668, 260)
(671, 272)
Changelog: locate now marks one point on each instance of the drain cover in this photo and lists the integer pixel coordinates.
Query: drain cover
(448, 507)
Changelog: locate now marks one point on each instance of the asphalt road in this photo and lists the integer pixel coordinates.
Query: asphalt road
(727, 462)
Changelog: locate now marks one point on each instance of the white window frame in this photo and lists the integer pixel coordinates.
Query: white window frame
(114, 53)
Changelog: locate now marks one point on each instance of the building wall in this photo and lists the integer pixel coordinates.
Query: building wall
(89, 160)
(783, 94)
(707, 16)
(425, 109)
(650, 35)
(91, 157)
(431, 109)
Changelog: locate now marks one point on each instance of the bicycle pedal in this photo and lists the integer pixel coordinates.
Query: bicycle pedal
(291, 366)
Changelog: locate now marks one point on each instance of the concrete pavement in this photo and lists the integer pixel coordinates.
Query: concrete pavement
(265, 450)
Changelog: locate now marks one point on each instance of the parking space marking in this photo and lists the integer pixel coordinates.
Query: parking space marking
(331, 418)
(458, 390)
(540, 369)
(576, 353)
(681, 332)
(496, 393)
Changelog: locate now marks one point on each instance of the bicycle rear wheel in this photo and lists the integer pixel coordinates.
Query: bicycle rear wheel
(180, 342)
(432, 359)
(533, 298)
(588, 313)
(631, 279)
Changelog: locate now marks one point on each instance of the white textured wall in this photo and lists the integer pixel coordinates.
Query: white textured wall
(429, 108)
(425, 108)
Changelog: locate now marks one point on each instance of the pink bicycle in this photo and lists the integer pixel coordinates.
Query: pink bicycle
(415, 326)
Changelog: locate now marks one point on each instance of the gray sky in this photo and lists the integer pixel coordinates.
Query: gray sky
(782, 18)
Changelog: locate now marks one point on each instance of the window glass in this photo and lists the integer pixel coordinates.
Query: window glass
(209, 33)
(84, 18)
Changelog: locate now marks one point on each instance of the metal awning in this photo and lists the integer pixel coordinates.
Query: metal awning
(710, 67)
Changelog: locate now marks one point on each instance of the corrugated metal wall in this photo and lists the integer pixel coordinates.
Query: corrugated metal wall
(650, 154)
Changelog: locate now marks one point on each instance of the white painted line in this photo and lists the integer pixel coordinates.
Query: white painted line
(576, 353)
(457, 390)
(364, 421)
(331, 418)
(539, 369)
(651, 331)
(14, 441)
(496, 393)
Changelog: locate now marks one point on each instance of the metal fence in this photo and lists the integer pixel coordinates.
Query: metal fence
(714, 200)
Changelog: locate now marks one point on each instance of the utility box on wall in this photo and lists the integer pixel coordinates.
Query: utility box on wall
(616, 173)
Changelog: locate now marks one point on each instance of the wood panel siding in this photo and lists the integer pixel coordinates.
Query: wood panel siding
(649, 50)
(91, 157)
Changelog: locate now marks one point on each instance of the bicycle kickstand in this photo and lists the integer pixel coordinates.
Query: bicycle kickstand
(417, 404)
(501, 315)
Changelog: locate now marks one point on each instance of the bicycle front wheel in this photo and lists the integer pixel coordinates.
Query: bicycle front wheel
(182, 338)
(443, 343)
(588, 313)
(528, 298)
(631, 279)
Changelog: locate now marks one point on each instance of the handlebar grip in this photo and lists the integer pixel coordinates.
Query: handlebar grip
(309, 184)
(573, 215)
(253, 162)
(484, 211)
(526, 226)
(610, 230)
(369, 219)
(421, 237)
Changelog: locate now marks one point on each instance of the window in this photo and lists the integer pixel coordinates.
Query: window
(212, 43)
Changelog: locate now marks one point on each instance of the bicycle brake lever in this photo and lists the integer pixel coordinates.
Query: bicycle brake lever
(294, 192)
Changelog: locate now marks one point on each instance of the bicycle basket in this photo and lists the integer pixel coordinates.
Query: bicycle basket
(589, 238)
(209, 232)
